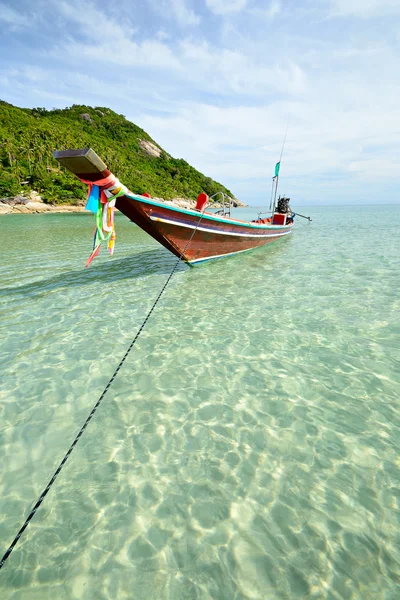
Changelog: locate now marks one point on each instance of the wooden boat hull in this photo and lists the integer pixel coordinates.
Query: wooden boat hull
(190, 234)
(197, 236)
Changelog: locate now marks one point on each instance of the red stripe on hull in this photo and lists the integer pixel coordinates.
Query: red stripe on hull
(204, 244)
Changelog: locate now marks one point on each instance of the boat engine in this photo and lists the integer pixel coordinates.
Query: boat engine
(283, 205)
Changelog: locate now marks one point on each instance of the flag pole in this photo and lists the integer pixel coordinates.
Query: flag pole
(277, 167)
(276, 178)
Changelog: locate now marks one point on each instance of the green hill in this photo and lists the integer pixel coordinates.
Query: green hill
(28, 137)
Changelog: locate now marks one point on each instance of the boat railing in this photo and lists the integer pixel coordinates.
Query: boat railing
(225, 210)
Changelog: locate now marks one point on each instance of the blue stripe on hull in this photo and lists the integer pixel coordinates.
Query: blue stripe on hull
(206, 216)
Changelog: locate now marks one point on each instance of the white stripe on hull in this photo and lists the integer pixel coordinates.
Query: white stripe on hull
(209, 217)
(216, 231)
(197, 260)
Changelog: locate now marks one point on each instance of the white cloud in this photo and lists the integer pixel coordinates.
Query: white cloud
(382, 168)
(272, 11)
(30, 73)
(12, 17)
(124, 53)
(162, 35)
(184, 15)
(201, 65)
(365, 8)
(224, 70)
(120, 49)
(240, 145)
(225, 7)
(178, 12)
(87, 13)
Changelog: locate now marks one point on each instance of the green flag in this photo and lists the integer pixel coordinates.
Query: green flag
(277, 167)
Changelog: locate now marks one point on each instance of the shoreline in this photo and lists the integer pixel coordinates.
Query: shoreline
(25, 206)
(24, 209)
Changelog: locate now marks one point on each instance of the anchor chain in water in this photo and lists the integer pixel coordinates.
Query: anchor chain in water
(95, 407)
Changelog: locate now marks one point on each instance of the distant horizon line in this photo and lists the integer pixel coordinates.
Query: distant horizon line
(326, 205)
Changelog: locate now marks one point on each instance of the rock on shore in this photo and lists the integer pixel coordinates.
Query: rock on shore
(34, 204)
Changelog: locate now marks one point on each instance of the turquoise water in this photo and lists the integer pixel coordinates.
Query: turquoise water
(249, 446)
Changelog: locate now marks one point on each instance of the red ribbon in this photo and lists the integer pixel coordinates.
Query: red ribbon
(101, 183)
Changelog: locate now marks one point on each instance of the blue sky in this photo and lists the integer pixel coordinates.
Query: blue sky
(217, 82)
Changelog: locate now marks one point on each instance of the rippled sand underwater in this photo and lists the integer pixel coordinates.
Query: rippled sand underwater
(249, 446)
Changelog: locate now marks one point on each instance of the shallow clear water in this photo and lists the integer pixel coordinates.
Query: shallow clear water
(249, 446)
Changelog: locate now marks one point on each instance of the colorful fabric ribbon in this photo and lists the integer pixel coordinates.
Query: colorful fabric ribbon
(102, 195)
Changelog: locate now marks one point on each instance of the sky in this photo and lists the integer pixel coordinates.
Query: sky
(218, 83)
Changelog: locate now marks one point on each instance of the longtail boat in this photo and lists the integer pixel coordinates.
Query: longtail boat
(193, 234)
